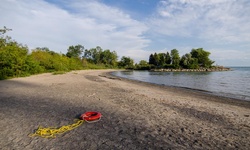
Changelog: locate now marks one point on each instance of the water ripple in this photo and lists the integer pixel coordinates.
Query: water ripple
(234, 84)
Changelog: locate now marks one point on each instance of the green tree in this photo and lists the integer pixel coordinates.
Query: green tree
(193, 64)
(94, 55)
(109, 58)
(4, 39)
(126, 62)
(202, 56)
(88, 55)
(175, 58)
(184, 61)
(157, 59)
(151, 59)
(4, 30)
(143, 65)
(44, 58)
(168, 59)
(52, 61)
(188, 62)
(97, 52)
(75, 51)
(162, 59)
(98, 56)
(14, 58)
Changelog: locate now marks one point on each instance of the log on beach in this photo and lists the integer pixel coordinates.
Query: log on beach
(136, 115)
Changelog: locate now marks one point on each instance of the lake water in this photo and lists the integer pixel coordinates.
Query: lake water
(234, 84)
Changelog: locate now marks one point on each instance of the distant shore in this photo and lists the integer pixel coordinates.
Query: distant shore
(193, 70)
(136, 115)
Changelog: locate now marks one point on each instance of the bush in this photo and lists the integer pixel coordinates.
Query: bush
(15, 61)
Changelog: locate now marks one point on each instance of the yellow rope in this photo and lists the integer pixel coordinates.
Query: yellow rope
(51, 132)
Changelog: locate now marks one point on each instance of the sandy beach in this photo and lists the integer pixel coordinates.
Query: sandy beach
(136, 115)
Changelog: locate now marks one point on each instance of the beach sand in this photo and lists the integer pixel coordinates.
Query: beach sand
(136, 115)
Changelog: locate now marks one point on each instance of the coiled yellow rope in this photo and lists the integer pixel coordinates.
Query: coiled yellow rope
(51, 131)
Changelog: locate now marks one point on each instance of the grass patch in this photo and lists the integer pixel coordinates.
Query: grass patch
(59, 72)
(94, 66)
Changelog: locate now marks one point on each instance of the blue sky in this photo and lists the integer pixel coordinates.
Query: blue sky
(134, 28)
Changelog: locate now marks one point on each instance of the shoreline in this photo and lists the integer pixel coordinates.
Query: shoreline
(218, 98)
(225, 95)
(135, 114)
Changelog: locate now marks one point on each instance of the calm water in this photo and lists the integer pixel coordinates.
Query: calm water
(234, 84)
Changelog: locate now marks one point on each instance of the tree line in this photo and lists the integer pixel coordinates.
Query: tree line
(197, 58)
(17, 61)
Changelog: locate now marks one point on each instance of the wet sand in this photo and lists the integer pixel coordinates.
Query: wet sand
(136, 115)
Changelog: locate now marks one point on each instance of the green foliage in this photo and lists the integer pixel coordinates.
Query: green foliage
(155, 59)
(162, 58)
(43, 58)
(151, 59)
(188, 62)
(52, 61)
(175, 58)
(33, 66)
(168, 66)
(93, 55)
(168, 59)
(75, 64)
(126, 62)
(94, 66)
(203, 57)
(194, 64)
(98, 56)
(4, 30)
(109, 58)
(58, 72)
(197, 58)
(4, 39)
(14, 59)
(75, 51)
(143, 65)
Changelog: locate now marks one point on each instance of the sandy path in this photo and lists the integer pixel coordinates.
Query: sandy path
(135, 115)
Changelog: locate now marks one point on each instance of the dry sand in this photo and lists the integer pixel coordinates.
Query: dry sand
(136, 115)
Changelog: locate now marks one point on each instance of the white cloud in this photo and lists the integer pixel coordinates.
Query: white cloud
(219, 54)
(183, 24)
(230, 57)
(221, 27)
(226, 20)
(90, 23)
